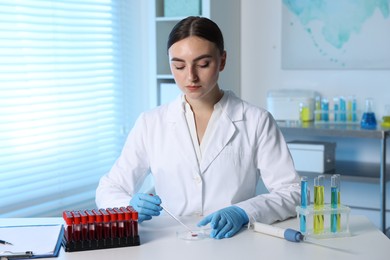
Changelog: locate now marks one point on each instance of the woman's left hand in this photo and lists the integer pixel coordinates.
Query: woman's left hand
(225, 222)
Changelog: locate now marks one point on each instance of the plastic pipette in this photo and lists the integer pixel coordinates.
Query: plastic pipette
(290, 235)
(175, 218)
(178, 220)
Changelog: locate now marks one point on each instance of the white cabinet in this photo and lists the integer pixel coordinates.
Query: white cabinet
(226, 13)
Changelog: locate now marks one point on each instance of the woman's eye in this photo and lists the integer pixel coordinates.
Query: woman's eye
(179, 67)
(204, 65)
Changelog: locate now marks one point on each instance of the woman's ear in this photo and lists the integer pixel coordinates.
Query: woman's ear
(223, 61)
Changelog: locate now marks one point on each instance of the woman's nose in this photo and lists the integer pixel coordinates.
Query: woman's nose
(192, 74)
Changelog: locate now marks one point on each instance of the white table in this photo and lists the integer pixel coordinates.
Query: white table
(159, 241)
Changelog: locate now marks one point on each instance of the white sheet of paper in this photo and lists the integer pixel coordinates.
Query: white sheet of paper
(41, 240)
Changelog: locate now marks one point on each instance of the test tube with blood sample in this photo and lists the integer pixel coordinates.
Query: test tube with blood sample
(68, 217)
(91, 225)
(127, 222)
(134, 218)
(120, 222)
(84, 225)
(106, 224)
(113, 222)
(76, 226)
(98, 224)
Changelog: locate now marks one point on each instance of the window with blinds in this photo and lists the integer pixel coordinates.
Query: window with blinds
(63, 111)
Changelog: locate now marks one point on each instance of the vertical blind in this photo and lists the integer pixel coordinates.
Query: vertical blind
(61, 102)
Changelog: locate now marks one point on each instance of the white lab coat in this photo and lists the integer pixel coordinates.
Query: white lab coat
(245, 146)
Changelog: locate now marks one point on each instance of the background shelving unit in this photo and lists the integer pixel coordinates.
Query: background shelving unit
(353, 171)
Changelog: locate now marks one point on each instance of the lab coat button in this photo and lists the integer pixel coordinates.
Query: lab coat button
(198, 179)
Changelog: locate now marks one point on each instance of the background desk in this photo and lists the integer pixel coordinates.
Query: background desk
(159, 241)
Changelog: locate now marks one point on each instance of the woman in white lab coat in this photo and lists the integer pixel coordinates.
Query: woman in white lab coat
(206, 150)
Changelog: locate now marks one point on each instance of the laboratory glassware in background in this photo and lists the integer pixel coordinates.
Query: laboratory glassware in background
(336, 107)
(354, 109)
(325, 109)
(386, 117)
(304, 112)
(343, 110)
(318, 108)
(368, 119)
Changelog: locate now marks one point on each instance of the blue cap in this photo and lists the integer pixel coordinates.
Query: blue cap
(293, 235)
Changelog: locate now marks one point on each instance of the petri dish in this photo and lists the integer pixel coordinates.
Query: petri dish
(194, 235)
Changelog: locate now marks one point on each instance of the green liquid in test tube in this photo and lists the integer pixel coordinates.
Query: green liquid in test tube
(318, 108)
(319, 194)
(335, 225)
(349, 109)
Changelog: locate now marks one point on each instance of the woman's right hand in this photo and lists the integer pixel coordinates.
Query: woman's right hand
(146, 205)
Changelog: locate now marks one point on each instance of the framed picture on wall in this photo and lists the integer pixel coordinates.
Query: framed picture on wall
(328, 34)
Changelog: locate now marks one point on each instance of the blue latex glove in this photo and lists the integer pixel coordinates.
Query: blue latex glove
(225, 222)
(146, 205)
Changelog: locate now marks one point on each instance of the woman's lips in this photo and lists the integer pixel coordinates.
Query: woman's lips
(192, 88)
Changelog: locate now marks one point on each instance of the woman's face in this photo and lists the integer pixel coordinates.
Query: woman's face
(195, 64)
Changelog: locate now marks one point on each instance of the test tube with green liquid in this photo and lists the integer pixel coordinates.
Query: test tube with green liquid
(349, 109)
(335, 202)
(319, 194)
(318, 108)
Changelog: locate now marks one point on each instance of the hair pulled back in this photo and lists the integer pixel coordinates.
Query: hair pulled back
(197, 26)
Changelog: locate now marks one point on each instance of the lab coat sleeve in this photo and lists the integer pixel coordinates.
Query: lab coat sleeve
(276, 167)
(129, 171)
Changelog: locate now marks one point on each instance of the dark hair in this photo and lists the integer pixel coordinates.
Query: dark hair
(197, 26)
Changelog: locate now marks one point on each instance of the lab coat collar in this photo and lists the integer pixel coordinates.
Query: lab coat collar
(231, 105)
(232, 111)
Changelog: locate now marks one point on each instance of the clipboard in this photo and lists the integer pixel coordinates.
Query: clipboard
(5, 255)
(31, 241)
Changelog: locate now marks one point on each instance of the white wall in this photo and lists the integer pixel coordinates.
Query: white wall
(230, 78)
(261, 64)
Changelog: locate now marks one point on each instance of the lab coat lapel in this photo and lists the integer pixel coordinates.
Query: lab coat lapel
(221, 136)
(180, 133)
(224, 131)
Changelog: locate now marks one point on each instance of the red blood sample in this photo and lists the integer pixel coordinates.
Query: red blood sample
(91, 224)
(76, 226)
(68, 217)
(106, 223)
(98, 224)
(113, 222)
(84, 225)
(127, 222)
(121, 222)
(134, 217)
